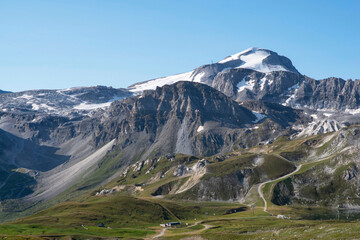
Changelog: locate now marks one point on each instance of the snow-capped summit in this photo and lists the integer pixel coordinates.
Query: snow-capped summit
(261, 60)
(256, 59)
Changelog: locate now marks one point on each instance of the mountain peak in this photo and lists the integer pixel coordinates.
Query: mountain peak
(261, 60)
(255, 59)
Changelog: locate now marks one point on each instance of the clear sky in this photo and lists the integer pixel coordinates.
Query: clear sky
(60, 44)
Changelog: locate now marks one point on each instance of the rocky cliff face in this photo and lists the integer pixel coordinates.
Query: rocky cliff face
(282, 115)
(186, 117)
(330, 93)
(245, 84)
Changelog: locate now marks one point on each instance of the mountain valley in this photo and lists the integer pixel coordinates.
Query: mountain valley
(240, 140)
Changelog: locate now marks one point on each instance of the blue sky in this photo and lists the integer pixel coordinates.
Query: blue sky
(61, 44)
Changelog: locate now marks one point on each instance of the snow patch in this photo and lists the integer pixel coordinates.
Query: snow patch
(41, 106)
(258, 116)
(91, 106)
(26, 96)
(295, 87)
(159, 82)
(289, 100)
(314, 116)
(253, 58)
(262, 83)
(200, 129)
(352, 111)
(35, 106)
(244, 84)
(198, 77)
(227, 68)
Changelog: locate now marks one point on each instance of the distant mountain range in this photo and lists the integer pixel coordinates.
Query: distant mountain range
(73, 101)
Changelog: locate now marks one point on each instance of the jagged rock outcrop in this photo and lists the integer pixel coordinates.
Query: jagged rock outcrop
(330, 93)
(283, 192)
(284, 116)
(246, 84)
(174, 119)
(232, 187)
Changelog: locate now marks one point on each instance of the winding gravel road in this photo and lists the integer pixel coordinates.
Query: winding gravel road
(160, 234)
(269, 181)
(285, 176)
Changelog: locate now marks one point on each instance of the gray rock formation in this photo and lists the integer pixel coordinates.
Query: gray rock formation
(330, 93)
(186, 117)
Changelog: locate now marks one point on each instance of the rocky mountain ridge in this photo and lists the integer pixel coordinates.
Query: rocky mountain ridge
(254, 74)
(72, 102)
(260, 74)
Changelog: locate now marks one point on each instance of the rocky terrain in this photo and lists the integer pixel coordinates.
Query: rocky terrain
(72, 102)
(333, 183)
